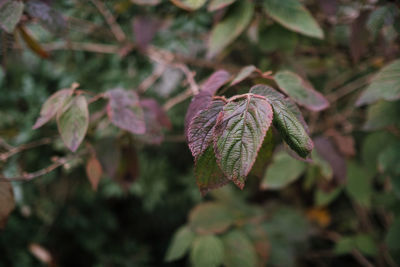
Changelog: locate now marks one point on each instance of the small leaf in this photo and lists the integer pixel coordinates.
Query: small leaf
(294, 16)
(155, 119)
(226, 31)
(364, 243)
(7, 203)
(32, 43)
(218, 4)
(144, 30)
(204, 97)
(243, 74)
(301, 91)
(389, 159)
(239, 251)
(358, 185)
(283, 170)
(207, 251)
(322, 198)
(180, 244)
(73, 122)
(382, 114)
(125, 111)
(239, 133)
(49, 17)
(385, 85)
(52, 105)
(201, 128)
(210, 217)
(94, 171)
(208, 174)
(10, 14)
(189, 5)
(359, 36)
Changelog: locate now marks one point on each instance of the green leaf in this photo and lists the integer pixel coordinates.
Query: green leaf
(208, 173)
(52, 105)
(239, 251)
(189, 5)
(201, 128)
(10, 14)
(264, 155)
(382, 114)
(323, 198)
(180, 244)
(207, 251)
(243, 74)
(294, 16)
(7, 203)
(73, 122)
(210, 218)
(300, 90)
(286, 121)
(389, 159)
(226, 31)
(364, 243)
(276, 38)
(385, 85)
(218, 4)
(392, 236)
(283, 170)
(239, 133)
(359, 187)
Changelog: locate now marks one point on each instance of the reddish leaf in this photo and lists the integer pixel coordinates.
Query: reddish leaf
(7, 203)
(125, 112)
(32, 43)
(144, 29)
(94, 171)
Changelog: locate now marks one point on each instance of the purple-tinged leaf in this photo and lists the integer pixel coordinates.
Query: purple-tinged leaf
(238, 135)
(359, 36)
(73, 122)
(48, 16)
(300, 90)
(218, 4)
(208, 174)
(243, 74)
(385, 85)
(124, 110)
(161, 116)
(203, 99)
(144, 29)
(7, 203)
(329, 7)
(10, 15)
(201, 128)
(52, 106)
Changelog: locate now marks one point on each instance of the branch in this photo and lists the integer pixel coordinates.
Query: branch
(45, 141)
(177, 99)
(88, 47)
(149, 81)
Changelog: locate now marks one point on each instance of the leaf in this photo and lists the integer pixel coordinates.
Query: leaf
(48, 16)
(201, 128)
(384, 15)
(322, 198)
(359, 36)
(389, 159)
(32, 43)
(301, 91)
(385, 85)
(204, 97)
(94, 171)
(239, 133)
(125, 112)
(189, 5)
(239, 251)
(208, 174)
(358, 186)
(7, 203)
(226, 31)
(144, 30)
(73, 122)
(294, 16)
(10, 14)
(283, 170)
(392, 236)
(243, 74)
(180, 244)
(382, 114)
(363, 242)
(218, 4)
(52, 105)
(207, 251)
(276, 38)
(210, 218)
(264, 155)
(128, 168)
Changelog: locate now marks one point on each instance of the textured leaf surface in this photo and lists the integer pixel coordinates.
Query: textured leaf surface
(10, 14)
(382, 114)
(201, 128)
(243, 74)
(210, 218)
(189, 5)
(73, 122)
(208, 173)
(180, 244)
(203, 99)
(239, 133)
(94, 171)
(294, 16)
(226, 31)
(7, 202)
(52, 106)
(49, 17)
(239, 251)
(207, 251)
(283, 170)
(218, 4)
(385, 85)
(125, 111)
(300, 90)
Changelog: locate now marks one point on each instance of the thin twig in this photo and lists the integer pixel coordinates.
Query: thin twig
(177, 99)
(349, 88)
(4, 144)
(111, 21)
(149, 81)
(45, 141)
(77, 46)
